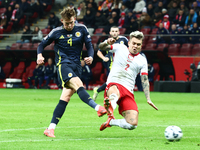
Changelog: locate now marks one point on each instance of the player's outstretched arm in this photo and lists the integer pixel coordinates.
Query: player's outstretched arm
(145, 85)
(105, 46)
(99, 53)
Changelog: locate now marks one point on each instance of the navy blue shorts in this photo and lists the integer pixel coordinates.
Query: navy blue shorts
(67, 71)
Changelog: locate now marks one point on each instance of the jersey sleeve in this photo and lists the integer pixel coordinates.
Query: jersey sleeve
(115, 47)
(144, 69)
(46, 41)
(88, 43)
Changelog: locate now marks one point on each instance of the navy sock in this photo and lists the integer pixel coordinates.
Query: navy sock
(59, 111)
(102, 88)
(85, 97)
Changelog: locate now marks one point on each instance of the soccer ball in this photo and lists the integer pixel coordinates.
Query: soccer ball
(173, 133)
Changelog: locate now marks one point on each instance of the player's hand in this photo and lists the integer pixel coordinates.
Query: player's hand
(111, 41)
(88, 60)
(105, 59)
(151, 104)
(40, 59)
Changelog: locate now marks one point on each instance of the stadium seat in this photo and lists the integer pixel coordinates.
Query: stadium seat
(196, 50)
(162, 46)
(122, 31)
(9, 27)
(98, 31)
(18, 71)
(96, 71)
(26, 46)
(45, 31)
(173, 49)
(186, 49)
(2, 10)
(150, 46)
(22, 21)
(48, 9)
(157, 69)
(84, 47)
(145, 30)
(102, 79)
(7, 68)
(145, 40)
(154, 31)
(34, 16)
(16, 46)
(95, 39)
(138, 15)
(29, 71)
(35, 46)
(152, 39)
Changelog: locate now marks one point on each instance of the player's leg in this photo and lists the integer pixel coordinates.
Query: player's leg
(96, 90)
(129, 121)
(76, 84)
(59, 111)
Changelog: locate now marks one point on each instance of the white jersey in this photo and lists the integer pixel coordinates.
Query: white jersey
(126, 66)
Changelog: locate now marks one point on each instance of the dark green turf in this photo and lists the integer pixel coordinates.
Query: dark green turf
(24, 115)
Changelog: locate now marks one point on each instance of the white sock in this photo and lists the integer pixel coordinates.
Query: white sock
(97, 107)
(114, 99)
(121, 123)
(52, 126)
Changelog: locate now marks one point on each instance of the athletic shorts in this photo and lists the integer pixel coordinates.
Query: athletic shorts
(66, 71)
(126, 100)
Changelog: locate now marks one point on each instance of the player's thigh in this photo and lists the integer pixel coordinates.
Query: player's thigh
(66, 94)
(131, 116)
(113, 89)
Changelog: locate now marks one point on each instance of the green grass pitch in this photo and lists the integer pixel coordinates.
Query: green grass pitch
(25, 113)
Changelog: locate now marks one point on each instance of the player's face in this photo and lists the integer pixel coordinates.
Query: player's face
(68, 23)
(114, 33)
(135, 45)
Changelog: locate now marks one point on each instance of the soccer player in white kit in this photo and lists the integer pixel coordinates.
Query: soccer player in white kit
(121, 81)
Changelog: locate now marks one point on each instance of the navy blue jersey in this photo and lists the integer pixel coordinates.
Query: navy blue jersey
(39, 72)
(68, 44)
(50, 70)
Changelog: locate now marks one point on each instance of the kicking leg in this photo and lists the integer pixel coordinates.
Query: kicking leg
(97, 90)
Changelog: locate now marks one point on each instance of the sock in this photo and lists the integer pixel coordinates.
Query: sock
(102, 88)
(122, 123)
(85, 97)
(52, 126)
(114, 99)
(97, 107)
(59, 111)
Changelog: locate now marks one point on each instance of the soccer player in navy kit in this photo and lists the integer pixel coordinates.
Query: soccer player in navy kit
(69, 40)
(108, 58)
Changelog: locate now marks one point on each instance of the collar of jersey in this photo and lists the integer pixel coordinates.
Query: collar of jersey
(134, 54)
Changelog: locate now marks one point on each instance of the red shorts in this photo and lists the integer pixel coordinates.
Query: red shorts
(126, 100)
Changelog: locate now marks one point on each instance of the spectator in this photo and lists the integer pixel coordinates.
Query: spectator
(45, 3)
(38, 75)
(159, 7)
(150, 10)
(172, 11)
(117, 10)
(86, 76)
(185, 38)
(145, 19)
(171, 3)
(105, 10)
(17, 14)
(156, 19)
(124, 9)
(100, 20)
(2, 74)
(49, 73)
(91, 8)
(53, 21)
(184, 9)
(154, 3)
(24, 6)
(115, 17)
(166, 22)
(121, 20)
(130, 4)
(194, 72)
(186, 3)
(8, 14)
(26, 35)
(12, 4)
(118, 3)
(195, 30)
(191, 18)
(198, 19)
(108, 3)
(109, 25)
(94, 4)
(195, 7)
(133, 26)
(174, 31)
(179, 20)
(162, 31)
(81, 11)
(37, 35)
(140, 4)
(3, 22)
(127, 20)
(164, 12)
(198, 3)
(89, 19)
(151, 72)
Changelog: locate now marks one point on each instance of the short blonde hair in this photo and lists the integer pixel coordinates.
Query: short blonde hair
(67, 13)
(137, 34)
